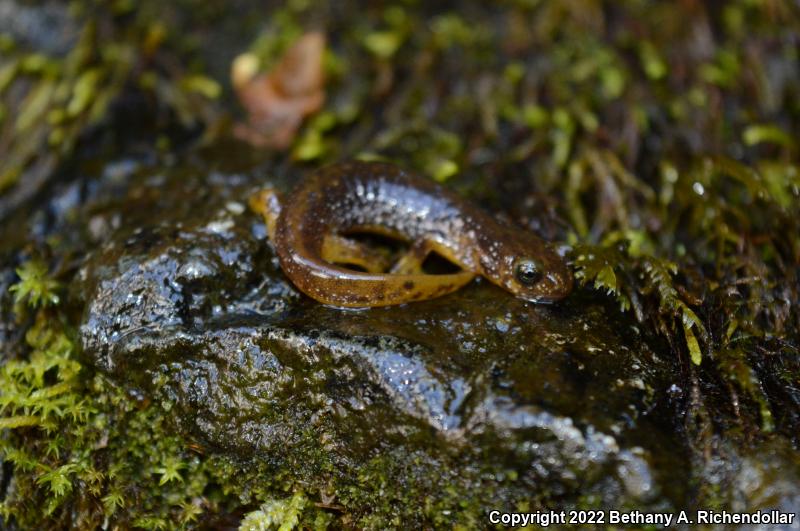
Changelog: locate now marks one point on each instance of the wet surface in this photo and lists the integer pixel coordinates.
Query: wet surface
(181, 300)
(193, 311)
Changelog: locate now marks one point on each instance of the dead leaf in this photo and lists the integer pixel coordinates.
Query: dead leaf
(277, 102)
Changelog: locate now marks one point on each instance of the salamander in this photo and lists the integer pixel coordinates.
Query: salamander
(309, 230)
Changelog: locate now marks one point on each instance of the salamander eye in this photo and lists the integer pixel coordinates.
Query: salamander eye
(527, 271)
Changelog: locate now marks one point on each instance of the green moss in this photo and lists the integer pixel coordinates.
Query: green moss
(35, 286)
(283, 515)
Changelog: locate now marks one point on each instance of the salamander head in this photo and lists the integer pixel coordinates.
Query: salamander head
(526, 266)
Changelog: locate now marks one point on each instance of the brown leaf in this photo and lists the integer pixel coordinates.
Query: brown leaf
(278, 101)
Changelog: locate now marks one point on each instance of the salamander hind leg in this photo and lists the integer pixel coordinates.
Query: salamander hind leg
(338, 249)
(267, 203)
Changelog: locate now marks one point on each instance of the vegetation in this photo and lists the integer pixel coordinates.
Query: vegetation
(84, 451)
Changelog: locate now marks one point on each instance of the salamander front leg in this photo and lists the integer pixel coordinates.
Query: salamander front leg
(267, 203)
(411, 262)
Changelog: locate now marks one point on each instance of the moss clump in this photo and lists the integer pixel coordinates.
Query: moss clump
(35, 286)
(283, 515)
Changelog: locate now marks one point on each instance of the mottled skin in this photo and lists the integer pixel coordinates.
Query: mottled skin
(384, 199)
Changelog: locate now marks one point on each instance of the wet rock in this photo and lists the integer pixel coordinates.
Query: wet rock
(10, 335)
(45, 26)
(194, 312)
(6, 278)
(741, 477)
